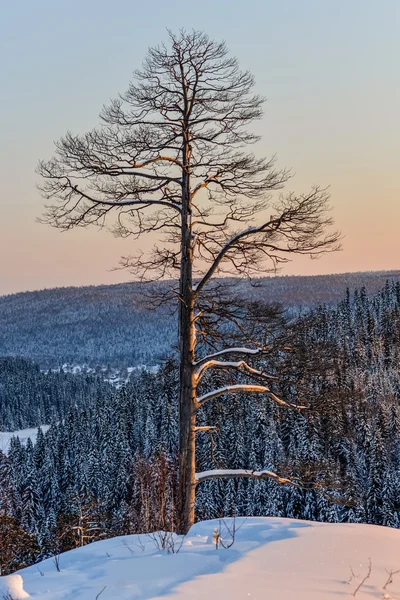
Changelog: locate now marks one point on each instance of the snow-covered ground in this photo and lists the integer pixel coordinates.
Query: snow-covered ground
(272, 559)
(23, 434)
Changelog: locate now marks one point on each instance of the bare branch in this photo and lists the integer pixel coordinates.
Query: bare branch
(390, 578)
(297, 228)
(367, 576)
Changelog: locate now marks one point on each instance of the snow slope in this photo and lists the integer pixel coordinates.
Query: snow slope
(274, 559)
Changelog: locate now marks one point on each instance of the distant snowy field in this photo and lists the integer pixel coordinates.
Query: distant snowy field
(22, 434)
(271, 559)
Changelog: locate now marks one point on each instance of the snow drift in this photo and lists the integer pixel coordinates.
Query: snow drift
(278, 559)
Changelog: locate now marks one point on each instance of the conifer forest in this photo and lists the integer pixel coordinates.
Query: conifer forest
(107, 463)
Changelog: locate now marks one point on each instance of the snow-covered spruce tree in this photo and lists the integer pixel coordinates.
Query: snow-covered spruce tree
(171, 156)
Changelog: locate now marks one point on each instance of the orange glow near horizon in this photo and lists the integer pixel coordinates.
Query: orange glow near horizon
(329, 71)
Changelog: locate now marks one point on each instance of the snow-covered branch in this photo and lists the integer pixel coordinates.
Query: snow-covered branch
(237, 388)
(206, 428)
(240, 365)
(237, 351)
(266, 474)
(231, 389)
(235, 473)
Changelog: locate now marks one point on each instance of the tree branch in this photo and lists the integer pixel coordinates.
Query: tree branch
(238, 365)
(239, 351)
(245, 387)
(235, 473)
(229, 244)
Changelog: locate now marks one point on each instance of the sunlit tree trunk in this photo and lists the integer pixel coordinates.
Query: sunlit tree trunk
(187, 343)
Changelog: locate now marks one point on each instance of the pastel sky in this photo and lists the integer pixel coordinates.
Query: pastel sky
(329, 68)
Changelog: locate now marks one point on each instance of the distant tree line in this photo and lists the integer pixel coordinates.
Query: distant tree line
(30, 397)
(95, 326)
(114, 324)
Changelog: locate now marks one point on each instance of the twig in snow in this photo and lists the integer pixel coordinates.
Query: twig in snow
(99, 594)
(390, 578)
(352, 576)
(166, 540)
(140, 544)
(365, 578)
(218, 539)
(56, 560)
(128, 547)
(217, 536)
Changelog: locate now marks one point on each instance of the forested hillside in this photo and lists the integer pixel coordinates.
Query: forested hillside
(113, 325)
(111, 468)
(29, 397)
(91, 325)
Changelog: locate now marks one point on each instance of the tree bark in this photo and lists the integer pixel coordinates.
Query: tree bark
(187, 416)
(187, 341)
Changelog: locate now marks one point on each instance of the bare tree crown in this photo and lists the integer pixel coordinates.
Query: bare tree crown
(184, 121)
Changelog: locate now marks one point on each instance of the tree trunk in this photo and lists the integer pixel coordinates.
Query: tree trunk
(187, 418)
(187, 342)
